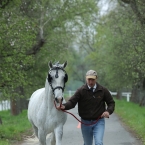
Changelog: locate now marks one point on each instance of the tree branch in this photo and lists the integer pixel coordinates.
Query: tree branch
(36, 48)
(135, 9)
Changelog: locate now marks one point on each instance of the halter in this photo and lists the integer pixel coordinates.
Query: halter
(49, 78)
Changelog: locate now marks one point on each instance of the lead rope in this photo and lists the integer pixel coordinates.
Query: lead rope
(76, 117)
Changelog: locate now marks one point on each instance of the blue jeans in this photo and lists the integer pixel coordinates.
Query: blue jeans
(96, 130)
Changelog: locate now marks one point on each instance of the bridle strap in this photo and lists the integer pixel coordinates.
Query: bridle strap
(58, 87)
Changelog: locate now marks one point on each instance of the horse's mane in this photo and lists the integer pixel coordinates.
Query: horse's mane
(57, 65)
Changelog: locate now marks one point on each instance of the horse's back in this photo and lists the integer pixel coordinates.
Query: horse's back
(37, 93)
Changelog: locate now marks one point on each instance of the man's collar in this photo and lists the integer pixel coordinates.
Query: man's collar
(93, 87)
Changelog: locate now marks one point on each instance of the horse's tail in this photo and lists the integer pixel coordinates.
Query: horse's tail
(33, 140)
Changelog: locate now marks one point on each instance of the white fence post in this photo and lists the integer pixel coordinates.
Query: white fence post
(126, 94)
(4, 105)
(128, 97)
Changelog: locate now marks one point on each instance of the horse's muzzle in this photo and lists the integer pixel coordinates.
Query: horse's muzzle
(59, 100)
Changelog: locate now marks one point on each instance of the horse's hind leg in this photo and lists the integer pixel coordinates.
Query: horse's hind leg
(41, 136)
(52, 140)
(35, 130)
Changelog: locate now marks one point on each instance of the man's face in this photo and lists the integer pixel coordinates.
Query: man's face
(91, 82)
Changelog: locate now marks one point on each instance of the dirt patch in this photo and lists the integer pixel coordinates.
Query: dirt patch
(23, 137)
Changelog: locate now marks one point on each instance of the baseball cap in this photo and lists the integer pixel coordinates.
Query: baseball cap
(91, 74)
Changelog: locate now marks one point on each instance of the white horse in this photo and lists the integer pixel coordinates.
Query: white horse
(42, 114)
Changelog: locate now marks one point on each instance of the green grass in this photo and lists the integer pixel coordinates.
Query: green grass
(13, 127)
(4, 142)
(133, 116)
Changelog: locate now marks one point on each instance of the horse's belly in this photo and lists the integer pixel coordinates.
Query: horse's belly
(53, 122)
(56, 119)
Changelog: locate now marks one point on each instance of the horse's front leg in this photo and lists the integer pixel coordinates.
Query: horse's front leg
(52, 139)
(58, 134)
(41, 136)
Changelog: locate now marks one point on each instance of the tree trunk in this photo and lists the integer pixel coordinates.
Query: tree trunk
(142, 102)
(18, 104)
(23, 101)
(119, 95)
(134, 95)
(15, 107)
(23, 104)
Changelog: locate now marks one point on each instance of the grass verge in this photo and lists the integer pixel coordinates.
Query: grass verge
(13, 127)
(133, 116)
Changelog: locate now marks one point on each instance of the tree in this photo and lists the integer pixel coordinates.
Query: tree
(31, 32)
(122, 46)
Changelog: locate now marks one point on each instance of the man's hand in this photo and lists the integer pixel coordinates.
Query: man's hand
(105, 114)
(62, 107)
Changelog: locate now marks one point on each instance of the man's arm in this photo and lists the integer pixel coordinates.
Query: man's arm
(71, 103)
(109, 101)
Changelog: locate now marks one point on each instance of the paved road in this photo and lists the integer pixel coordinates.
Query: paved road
(115, 132)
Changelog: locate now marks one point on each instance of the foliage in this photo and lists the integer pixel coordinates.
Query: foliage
(118, 50)
(14, 44)
(31, 34)
(77, 71)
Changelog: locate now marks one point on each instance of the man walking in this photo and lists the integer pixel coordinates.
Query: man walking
(94, 102)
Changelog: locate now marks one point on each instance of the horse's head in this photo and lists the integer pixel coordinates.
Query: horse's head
(57, 77)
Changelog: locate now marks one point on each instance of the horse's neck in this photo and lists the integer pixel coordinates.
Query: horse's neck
(48, 99)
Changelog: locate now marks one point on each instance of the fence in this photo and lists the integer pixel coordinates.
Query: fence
(4, 105)
(125, 94)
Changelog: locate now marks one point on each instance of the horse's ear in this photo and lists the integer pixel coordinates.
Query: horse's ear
(64, 65)
(50, 64)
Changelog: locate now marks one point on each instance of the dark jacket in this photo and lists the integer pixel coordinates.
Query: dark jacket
(91, 105)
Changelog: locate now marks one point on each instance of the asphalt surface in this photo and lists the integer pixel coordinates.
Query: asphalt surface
(115, 132)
